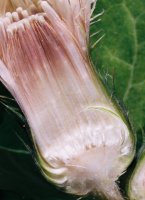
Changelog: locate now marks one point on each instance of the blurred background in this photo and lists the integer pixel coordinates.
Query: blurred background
(118, 53)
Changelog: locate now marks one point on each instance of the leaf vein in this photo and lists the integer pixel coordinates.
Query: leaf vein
(130, 80)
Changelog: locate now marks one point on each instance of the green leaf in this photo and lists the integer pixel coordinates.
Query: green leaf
(121, 53)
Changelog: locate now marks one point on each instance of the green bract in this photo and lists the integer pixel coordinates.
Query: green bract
(83, 140)
(136, 189)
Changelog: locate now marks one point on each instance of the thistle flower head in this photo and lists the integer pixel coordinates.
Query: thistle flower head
(82, 140)
(12, 5)
(136, 189)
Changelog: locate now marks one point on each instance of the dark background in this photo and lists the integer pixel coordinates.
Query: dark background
(120, 59)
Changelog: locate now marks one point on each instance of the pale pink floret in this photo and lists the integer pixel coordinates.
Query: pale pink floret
(76, 128)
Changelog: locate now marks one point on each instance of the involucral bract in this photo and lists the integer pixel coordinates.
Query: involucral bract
(82, 139)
